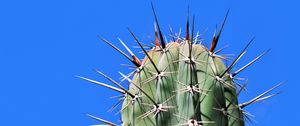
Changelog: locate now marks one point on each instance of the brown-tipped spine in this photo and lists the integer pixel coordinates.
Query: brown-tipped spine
(162, 42)
(187, 32)
(156, 36)
(216, 37)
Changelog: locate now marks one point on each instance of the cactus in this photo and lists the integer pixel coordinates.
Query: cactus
(181, 83)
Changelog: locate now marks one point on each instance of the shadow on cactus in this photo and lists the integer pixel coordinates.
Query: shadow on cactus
(181, 83)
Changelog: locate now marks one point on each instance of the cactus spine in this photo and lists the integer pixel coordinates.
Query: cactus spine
(181, 83)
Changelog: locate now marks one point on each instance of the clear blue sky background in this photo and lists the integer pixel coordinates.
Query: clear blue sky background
(45, 43)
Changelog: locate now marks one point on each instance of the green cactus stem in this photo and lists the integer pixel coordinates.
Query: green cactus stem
(181, 83)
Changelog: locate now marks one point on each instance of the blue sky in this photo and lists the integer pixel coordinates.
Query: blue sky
(44, 44)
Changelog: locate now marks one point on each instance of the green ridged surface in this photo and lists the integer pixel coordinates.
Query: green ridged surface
(216, 102)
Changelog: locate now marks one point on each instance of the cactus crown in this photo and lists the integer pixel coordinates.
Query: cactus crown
(181, 83)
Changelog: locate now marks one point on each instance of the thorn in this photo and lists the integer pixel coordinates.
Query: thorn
(187, 36)
(220, 50)
(125, 77)
(193, 27)
(233, 63)
(171, 32)
(115, 106)
(146, 94)
(102, 120)
(238, 93)
(135, 60)
(216, 38)
(260, 97)
(190, 43)
(242, 88)
(163, 44)
(250, 63)
(120, 51)
(267, 97)
(126, 47)
(248, 117)
(156, 36)
(103, 84)
(113, 81)
(238, 58)
(144, 51)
